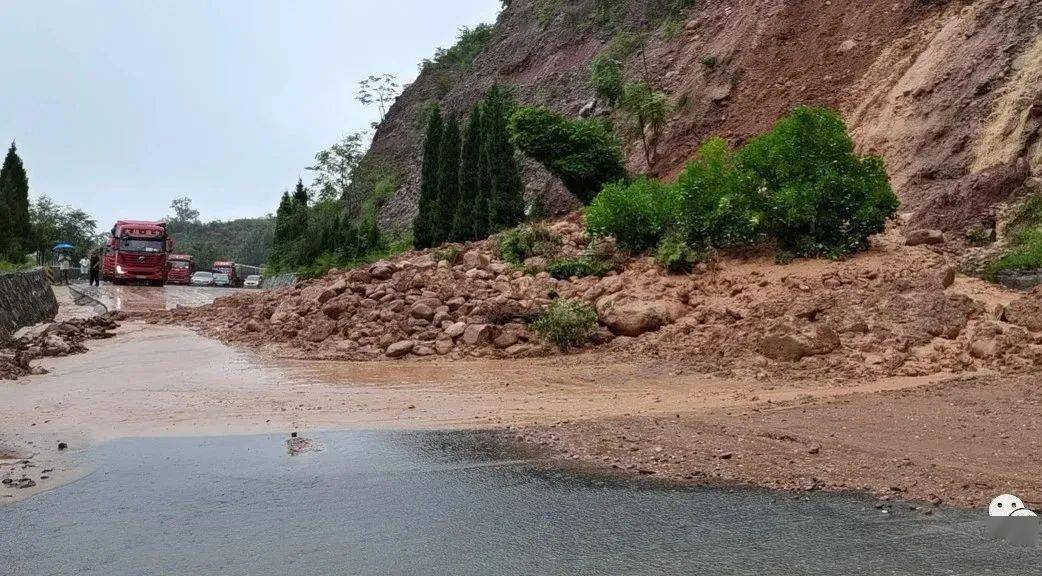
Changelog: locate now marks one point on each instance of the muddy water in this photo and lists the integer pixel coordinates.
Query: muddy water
(450, 503)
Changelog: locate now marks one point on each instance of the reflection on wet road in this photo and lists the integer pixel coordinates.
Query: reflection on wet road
(144, 298)
(452, 503)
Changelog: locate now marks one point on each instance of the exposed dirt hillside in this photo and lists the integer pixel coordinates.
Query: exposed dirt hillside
(942, 89)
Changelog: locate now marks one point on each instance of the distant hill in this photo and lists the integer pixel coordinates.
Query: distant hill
(246, 241)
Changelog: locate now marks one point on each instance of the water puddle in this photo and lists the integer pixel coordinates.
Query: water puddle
(451, 503)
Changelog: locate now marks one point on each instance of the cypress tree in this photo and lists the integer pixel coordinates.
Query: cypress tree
(469, 179)
(300, 194)
(421, 226)
(14, 191)
(507, 200)
(281, 237)
(448, 183)
(481, 224)
(6, 237)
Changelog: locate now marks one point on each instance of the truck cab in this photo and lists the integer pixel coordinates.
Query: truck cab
(180, 268)
(140, 250)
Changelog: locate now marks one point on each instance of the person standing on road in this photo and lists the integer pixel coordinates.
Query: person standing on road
(84, 263)
(63, 266)
(95, 269)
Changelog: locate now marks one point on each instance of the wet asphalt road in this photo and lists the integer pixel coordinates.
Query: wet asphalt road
(132, 298)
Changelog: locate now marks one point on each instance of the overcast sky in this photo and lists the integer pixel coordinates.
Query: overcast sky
(118, 107)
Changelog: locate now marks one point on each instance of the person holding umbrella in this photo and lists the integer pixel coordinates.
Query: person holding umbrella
(63, 261)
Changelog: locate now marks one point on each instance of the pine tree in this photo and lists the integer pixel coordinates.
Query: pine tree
(301, 194)
(280, 242)
(6, 237)
(469, 179)
(507, 200)
(448, 183)
(481, 224)
(421, 226)
(14, 192)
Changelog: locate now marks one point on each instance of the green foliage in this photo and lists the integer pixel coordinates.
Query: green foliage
(622, 45)
(469, 43)
(1025, 240)
(519, 244)
(800, 185)
(609, 13)
(579, 266)
(675, 256)
(647, 110)
(463, 223)
(448, 184)
(636, 214)
(506, 200)
(709, 61)
(449, 252)
(247, 240)
(16, 237)
(607, 79)
(53, 223)
(821, 198)
(423, 235)
(717, 200)
(584, 154)
(566, 323)
(6, 266)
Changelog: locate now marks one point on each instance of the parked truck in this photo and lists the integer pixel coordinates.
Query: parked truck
(138, 252)
(179, 269)
(237, 273)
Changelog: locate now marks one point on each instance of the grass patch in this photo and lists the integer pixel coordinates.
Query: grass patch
(566, 323)
(526, 241)
(580, 267)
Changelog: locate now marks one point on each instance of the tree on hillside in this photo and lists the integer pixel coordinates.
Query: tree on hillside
(6, 235)
(448, 182)
(283, 237)
(506, 201)
(429, 180)
(335, 166)
(647, 109)
(183, 211)
(469, 180)
(301, 194)
(379, 89)
(14, 192)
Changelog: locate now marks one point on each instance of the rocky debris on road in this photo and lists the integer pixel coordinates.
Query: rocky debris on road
(52, 339)
(296, 444)
(892, 310)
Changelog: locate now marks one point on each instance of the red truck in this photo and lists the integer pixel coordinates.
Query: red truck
(138, 252)
(232, 270)
(179, 269)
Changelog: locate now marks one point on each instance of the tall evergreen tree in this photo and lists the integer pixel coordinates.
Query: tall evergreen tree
(448, 183)
(6, 235)
(481, 224)
(280, 242)
(469, 179)
(14, 191)
(429, 180)
(507, 200)
(301, 194)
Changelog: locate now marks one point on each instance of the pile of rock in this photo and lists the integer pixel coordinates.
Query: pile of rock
(52, 339)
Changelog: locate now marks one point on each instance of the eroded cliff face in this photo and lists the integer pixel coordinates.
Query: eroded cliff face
(946, 91)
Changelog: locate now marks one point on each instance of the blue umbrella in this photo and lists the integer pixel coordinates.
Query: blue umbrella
(63, 246)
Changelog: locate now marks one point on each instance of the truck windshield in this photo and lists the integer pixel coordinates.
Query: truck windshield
(223, 270)
(136, 245)
(179, 264)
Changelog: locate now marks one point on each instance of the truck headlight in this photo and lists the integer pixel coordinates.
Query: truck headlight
(119, 269)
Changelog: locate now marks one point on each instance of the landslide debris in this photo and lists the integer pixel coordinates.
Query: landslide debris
(894, 310)
(53, 339)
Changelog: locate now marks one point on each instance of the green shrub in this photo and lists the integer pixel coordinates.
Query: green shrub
(519, 244)
(675, 256)
(819, 198)
(579, 266)
(607, 79)
(717, 199)
(1025, 253)
(978, 236)
(636, 214)
(448, 252)
(583, 154)
(566, 323)
(469, 43)
(709, 61)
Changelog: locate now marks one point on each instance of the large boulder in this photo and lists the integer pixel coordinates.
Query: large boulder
(1026, 311)
(789, 344)
(319, 330)
(399, 349)
(924, 236)
(637, 317)
(475, 259)
(477, 334)
(382, 270)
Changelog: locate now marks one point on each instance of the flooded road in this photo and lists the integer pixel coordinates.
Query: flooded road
(451, 503)
(132, 298)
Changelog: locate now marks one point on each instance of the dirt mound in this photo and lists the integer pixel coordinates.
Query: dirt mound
(894, 310)
(54, 339)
